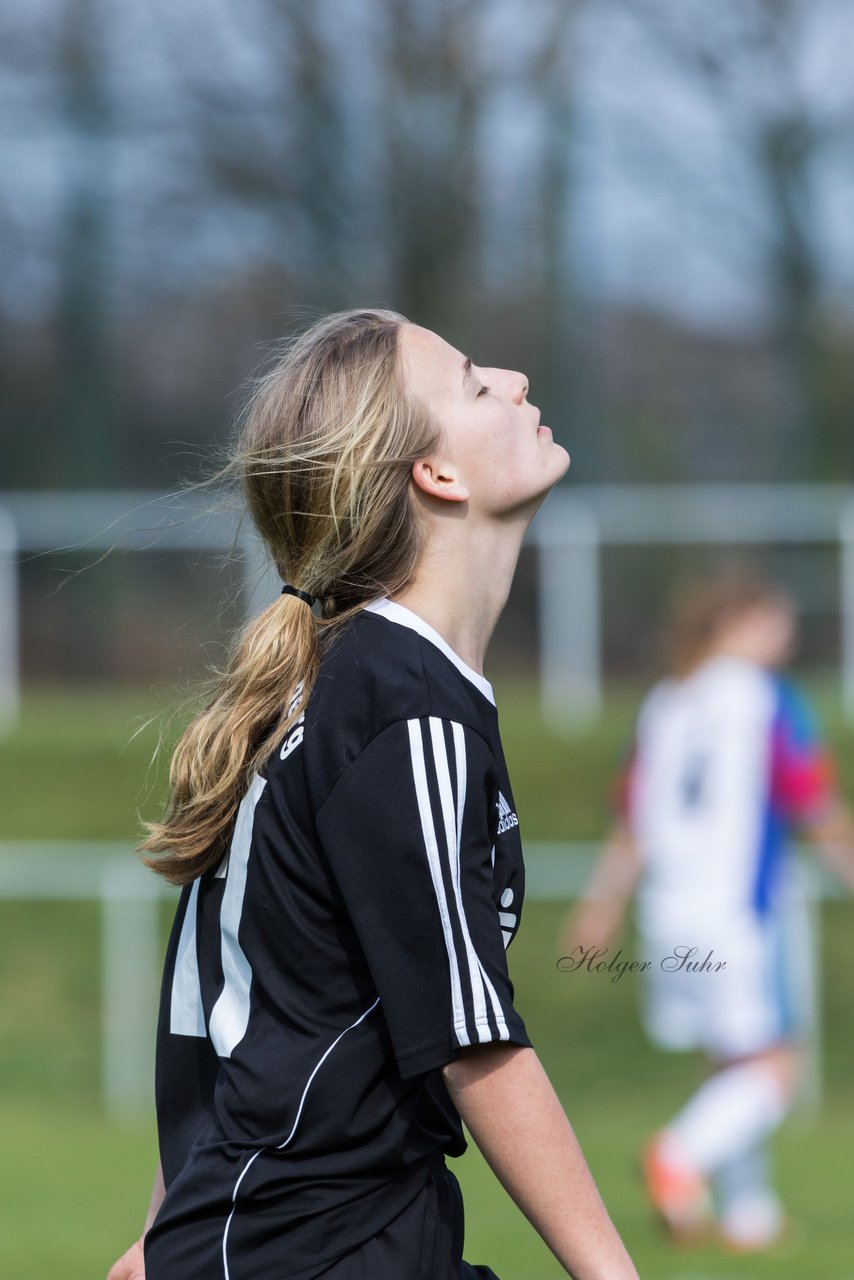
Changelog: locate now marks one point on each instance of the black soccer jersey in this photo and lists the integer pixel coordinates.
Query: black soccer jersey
(351, 943)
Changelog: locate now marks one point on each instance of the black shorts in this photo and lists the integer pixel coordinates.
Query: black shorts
(424, 1241)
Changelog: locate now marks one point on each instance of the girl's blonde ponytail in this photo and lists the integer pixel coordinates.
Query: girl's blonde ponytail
(324, 457)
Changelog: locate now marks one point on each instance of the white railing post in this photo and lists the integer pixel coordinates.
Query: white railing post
(570, 629)
(10, 679)
(802, 961)
(131, 965)
(846, 607)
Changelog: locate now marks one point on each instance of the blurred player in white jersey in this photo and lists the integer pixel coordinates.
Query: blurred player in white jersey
(725, 762)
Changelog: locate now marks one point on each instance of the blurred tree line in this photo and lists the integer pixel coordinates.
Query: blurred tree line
(183, 183)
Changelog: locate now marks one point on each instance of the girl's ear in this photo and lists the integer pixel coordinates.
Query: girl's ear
(438, 480)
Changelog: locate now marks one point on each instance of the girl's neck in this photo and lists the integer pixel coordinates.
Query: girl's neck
(461, 591)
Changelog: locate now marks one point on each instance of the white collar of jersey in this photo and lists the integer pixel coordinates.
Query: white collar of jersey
(400, 613)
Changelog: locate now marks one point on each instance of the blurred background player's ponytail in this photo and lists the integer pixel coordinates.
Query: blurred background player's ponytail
(323, 455)
(702, 609)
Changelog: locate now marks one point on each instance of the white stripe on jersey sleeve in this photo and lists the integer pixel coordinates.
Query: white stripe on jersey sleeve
(230, 1015)
(419, 771)
(460, 749)
(186, 1015)
(453, 827)
(452, 822)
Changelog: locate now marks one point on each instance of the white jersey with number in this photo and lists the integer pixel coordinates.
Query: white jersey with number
(724, 761)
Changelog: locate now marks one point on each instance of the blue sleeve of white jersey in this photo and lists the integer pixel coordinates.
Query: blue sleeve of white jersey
(408, 832)
(803, 775)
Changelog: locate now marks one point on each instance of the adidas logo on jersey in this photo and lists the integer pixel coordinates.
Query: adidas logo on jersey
(506, 817)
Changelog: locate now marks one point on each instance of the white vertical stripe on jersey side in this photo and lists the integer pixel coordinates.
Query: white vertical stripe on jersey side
(501, 1025)
(419, 773)
(230, 1014)
(261, 1150)
(186, 1015)
(453, 833)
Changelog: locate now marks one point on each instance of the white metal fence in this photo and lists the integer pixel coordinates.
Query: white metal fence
(569, 534)
(570, 531)
(575, 524)
(131, 952)
(61, 521)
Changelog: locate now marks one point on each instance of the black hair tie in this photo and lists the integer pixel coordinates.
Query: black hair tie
(295, 591)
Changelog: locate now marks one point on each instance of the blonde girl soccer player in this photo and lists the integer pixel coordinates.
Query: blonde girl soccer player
(725, 761)
(336, 998)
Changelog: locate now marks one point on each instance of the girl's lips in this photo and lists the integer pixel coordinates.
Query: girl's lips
(544, 428)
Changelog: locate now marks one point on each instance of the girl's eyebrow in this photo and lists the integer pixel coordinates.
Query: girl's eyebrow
(467, 373)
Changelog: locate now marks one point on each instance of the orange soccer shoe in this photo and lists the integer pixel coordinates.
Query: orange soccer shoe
(679, 1195)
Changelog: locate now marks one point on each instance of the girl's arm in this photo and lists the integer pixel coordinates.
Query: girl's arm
(131, 1265)
(832, 838)
(507, 1102)
(598, 915)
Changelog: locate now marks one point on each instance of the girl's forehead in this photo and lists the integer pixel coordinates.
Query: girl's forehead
(426, 344)
(429, 361)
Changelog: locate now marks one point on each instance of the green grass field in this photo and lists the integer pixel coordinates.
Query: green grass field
(73, 1187)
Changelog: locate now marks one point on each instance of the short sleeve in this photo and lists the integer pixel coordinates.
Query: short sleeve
(408, 831)
(802, 771)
